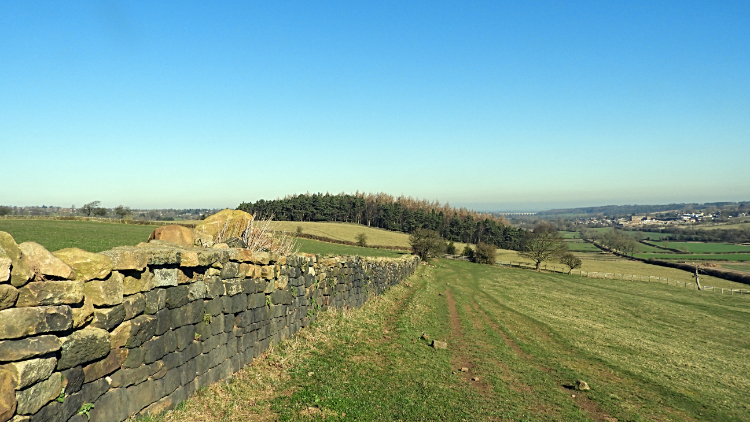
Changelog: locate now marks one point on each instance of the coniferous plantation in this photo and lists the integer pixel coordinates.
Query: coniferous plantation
(403, 214)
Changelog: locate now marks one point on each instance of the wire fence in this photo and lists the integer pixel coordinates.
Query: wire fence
(627, 277)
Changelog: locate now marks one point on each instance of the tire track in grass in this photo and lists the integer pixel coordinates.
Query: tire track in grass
(565, 355)
(459, 358)
(587, 405)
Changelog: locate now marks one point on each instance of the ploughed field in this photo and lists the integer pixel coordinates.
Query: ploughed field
(648, 352)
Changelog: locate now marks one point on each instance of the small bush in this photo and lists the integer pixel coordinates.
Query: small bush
(361, 240)
(425, 243)
(485, 254)
(468, 252)
(450, 249)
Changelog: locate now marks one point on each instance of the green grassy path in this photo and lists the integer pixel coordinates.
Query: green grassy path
(648, 351)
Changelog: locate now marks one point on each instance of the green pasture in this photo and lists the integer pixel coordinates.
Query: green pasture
(700, 247)
(650, 249)
(90, 236)
(581, 247)
(323, 248)
(648, 351)
(696, 257)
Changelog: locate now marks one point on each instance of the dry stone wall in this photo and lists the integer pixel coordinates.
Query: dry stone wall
(139, 329)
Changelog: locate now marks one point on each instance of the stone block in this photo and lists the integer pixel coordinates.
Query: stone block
(111, 407)
(192, 313)
(74, 378)
(185, 336)
(163, 321)
(214, 306)
(83, 346)
(233, 287)
(8, 296)
(106, 366)
(134, 305)
(281, 282)
(16, 350)
(268, 272)
(215, 287)
(279, 297)
(135, 332)
(238, 303)
(108, 318)
(263, 258)
(127, 377)
(23, 322)
(165, 277)
(44, 262)
(33, 398)
(176, 297)
(127, 258)
(107, 292)
(136, 282)
(230, 270)
(135, 358)
(29, 372)
(84, 314)
(197, 290)
(156, 300)
(256, 300)
(87, 265)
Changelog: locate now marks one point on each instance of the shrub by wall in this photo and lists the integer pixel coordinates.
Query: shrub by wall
(138, 329)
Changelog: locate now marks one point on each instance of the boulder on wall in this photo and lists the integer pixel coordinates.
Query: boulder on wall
(226, 224)
(180, 235)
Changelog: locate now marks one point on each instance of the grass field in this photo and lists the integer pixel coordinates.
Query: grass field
(581, 246)
(323, 248)
(90, 236)
(699, 247)
(690, 257)
(345, 232)
(608, 263)
(648, 352)
(743, 225)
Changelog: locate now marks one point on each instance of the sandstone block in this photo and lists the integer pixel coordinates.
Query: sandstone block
(84, 314)
(155, 301)
(46, 293)
(23, 322)
(267, 272)
(33, 398)
(74, 378)
(8, 296)
(29, 372)
(143, 283)
(135, 332)
(180, 235)
(87, 265)
(83, 346)
(43, 261)
(107, 292)
(5, 263)
(164, 277)
(108, 318)
(233, 287)
(227, 223)
(7, 396)
(134, 305)
(197, 290)
(281, 282)
(127, 258)
(16, 350)
(106, 366)
(262, 258)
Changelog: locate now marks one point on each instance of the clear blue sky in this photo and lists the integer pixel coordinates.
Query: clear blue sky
(494, 105)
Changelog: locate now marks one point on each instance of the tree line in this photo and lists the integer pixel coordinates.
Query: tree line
(403, 214)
